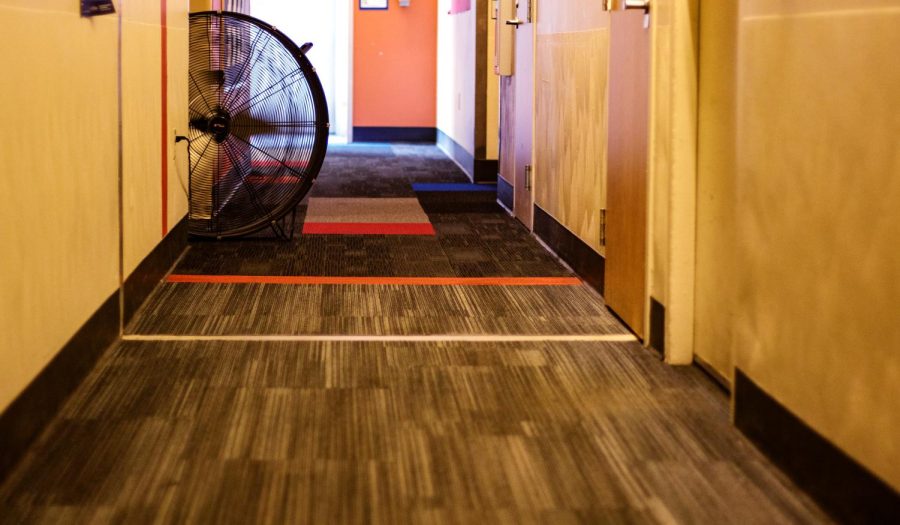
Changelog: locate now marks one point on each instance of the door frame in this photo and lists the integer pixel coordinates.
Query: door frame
(672, 172)
(351, 15)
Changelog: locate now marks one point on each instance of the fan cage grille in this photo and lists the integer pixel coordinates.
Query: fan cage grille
(259, 125)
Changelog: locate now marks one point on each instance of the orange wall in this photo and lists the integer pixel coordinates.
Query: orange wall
(395, 65)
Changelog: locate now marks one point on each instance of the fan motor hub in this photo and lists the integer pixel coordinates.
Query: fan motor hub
(220, 125)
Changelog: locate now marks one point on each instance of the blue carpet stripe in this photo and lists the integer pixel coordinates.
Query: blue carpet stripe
(428, 186)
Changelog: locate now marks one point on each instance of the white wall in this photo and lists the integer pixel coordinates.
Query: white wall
(456, 75)
(327, 25)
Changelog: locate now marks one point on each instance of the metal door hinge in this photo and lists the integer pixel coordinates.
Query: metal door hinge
(602, 226)
(528, 176)
(530, 11)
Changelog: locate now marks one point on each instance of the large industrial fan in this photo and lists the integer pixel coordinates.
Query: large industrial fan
(258, 126)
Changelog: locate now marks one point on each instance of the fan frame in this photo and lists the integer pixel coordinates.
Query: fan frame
(320, 141)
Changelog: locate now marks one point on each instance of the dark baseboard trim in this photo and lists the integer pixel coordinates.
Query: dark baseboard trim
(720, 380)
(153, 268)
(24, 420)
(394, 134)
(458, 201)
(657, 326)
(843, 487)
(485, 171)
(582, 258)
(505, 193)
(460, 156)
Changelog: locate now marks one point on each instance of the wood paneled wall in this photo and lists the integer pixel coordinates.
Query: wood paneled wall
(572, 51)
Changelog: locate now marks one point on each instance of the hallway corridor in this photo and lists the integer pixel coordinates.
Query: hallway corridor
(413, 355)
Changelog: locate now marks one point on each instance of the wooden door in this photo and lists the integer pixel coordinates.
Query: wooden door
(508, 130)
(517, 107)
(523, 79)
(626, 217)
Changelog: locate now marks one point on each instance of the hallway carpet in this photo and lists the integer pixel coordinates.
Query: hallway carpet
(258, 402)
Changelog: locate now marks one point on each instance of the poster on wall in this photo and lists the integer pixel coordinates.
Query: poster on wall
(373, 4)
(460, 6)
(97, 7)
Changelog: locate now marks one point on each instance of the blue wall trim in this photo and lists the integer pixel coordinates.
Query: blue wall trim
(394, 134)
(453, 187)
(478, 170)
(505, 193)
(458, 153)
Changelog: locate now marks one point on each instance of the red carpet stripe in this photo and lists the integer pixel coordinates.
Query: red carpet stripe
(367, 228)
(270, 163)
(416, 281)
(270, 179)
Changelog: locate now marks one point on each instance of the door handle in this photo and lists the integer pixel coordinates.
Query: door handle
(514, 22)
(643, 5)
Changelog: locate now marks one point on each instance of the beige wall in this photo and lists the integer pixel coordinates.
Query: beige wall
(717, 268)
(817, 219)
(492, 122)
(141, 125)
(201, 5)
(240, 6)
(59, 226)
(572, 51)
(58, 149)
(673, 169)
(178, 40)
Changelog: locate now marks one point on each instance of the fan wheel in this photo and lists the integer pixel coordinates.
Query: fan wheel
(258, 125)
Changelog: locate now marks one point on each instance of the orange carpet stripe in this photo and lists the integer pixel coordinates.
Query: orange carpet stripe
(413, 281)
